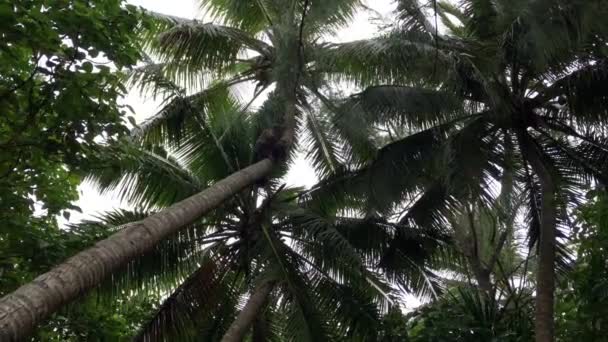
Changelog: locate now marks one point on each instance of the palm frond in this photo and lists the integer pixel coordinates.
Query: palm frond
(395, 58)
(329, 15)
(408, 106)
(399, 166)
(413, 15)
(352, 308)
(181, 115)
(581, 92)
(200, 298)
(166, 80)
(482, 14)
(146, 178)
(196, 46)
(304, 321)
(323, 149)
(251, 16)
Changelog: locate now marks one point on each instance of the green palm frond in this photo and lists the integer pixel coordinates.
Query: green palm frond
(152, 79)
(352, 308)
(166, 18)
(581, 93)
(255, 15)
(196, 46)
(401, 164)
(353, 127)
(395, 58)
(320, 240)
(401, 253)
(407, 106)
(182, 114)
(251, 16)
(446, 8)
(368, 236)
(413, 15)
(267, 326)
(323, 148)
(398, 267)
(304, 321)
(571, 27)
(201, 298)
(392, 176)
(166, 80)
(329, 15)
(595, 150)
(482, 17)
(146, 178)
(220, 143)
(533, 216)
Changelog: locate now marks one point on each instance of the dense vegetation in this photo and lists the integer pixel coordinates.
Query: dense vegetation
(467, 167)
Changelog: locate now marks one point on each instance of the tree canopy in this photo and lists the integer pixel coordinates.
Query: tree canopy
(460, 154)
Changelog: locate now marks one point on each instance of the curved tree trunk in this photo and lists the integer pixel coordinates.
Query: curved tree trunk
(30, 304)
(239, 328)
(545, 278)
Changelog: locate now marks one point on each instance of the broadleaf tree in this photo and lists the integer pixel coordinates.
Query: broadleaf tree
(60, 99)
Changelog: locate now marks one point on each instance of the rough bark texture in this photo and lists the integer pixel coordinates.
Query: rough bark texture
(545, 278)
(239, 328)
(25, 308)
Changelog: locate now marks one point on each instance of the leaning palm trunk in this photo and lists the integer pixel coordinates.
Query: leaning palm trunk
(25, 308)
(238, 329)
(545, 282)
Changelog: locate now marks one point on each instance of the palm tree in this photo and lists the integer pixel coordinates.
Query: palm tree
(189, 50)
(311, 273)
(504, 84)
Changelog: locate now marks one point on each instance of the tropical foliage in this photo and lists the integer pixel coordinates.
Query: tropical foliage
(321, 262)
(60, 102)
(582, 305)
(505, 94)
(456, 171)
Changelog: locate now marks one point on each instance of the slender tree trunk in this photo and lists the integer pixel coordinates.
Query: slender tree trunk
(545, 278)
(30, 304)
(239, 328)
(483, 277)
(260, 331)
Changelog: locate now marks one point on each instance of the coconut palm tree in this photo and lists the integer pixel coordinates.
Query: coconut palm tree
(312, 272)
(279, 33)
(500, 83)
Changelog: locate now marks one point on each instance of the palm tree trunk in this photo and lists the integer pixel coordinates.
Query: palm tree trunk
(545, 284)
(482, 276)
(30, 304)
(545, 278)
(239, 328)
